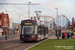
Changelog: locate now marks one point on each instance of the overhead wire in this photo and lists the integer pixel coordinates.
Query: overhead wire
(3, 0)
(19, 8)
(4, 7)
(14, 10)
(33, 6)
(7, 10)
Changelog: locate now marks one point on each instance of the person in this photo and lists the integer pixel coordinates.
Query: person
(64, 35)
(72, 34)
(5, 34)
(58, 35)
(68, 35)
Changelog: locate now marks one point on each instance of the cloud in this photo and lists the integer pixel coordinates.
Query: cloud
(46, 6)
(53, 1)
(51, 6)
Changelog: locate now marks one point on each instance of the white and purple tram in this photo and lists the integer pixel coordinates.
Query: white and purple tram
(31, 31)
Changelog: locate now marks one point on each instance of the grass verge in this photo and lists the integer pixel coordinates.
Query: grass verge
(54, 44)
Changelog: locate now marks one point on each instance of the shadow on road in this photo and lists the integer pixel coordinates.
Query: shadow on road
(32, 41)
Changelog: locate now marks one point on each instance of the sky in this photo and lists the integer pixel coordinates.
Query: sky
(47, 8)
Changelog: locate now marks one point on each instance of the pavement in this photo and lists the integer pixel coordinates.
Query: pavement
(10, 36)
(15, 43)
(17, 36)
(53, 37)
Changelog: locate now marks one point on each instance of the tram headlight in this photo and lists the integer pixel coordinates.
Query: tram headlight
(22, 36)
(32, 36)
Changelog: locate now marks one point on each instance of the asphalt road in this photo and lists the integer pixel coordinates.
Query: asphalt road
(8, 37)
(16, 44)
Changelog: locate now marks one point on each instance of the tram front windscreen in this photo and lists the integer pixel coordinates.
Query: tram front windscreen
(28, 30)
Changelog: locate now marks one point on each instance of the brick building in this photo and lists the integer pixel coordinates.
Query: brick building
(4, 20)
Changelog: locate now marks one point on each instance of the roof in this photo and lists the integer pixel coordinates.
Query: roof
(29, 20)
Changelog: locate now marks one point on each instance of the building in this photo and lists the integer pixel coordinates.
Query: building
(4, 20)
(15, 28)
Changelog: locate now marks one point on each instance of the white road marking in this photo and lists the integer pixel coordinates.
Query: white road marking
(11, 46)
(22, 46)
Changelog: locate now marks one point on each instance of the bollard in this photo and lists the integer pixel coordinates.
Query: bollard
(5, 37)
(57, 36)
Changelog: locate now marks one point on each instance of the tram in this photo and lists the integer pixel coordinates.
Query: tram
(31, 31)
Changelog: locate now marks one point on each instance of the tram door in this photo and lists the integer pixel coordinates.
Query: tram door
(41, 32)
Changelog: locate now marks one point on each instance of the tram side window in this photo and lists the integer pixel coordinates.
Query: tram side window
(44, 31)
(38, 29)
(22, 30)
(47, 31)
(41, 31)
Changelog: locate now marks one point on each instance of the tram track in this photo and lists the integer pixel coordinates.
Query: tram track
(16, 44)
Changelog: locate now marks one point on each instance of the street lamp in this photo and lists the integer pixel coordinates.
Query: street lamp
(29, 10)
(58, 24)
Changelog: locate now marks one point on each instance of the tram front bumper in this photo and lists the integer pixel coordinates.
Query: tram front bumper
(28, 38)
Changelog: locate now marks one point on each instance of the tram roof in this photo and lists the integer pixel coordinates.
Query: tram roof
(28, 21)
